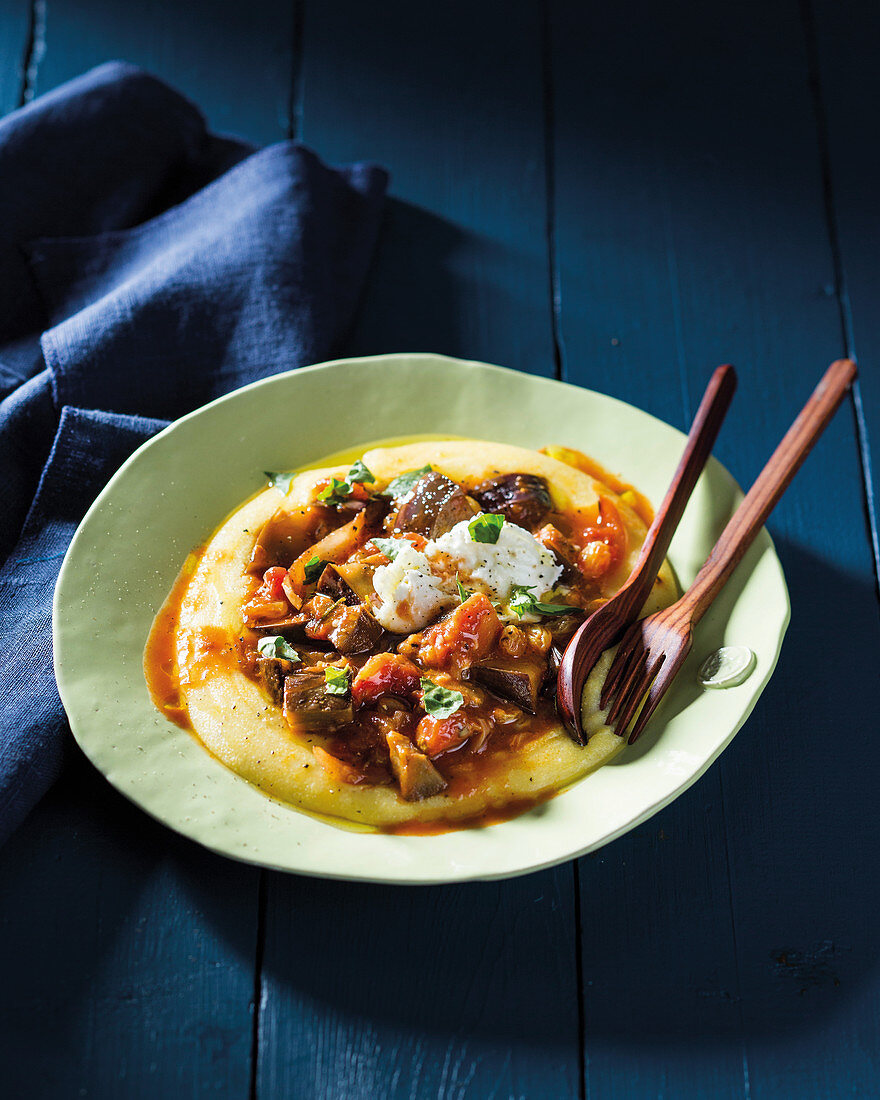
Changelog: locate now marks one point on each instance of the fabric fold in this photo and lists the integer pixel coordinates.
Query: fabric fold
(89, 446)
(147, 266)
(96, 152)
(259, 272)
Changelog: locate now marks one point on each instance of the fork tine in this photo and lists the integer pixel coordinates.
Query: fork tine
(655, 694)
(626, 656)
(633, 675)
(618, 669)
(635, 696)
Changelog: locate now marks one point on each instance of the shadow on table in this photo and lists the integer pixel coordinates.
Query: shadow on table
(747, 906)
(438, 287)
(785, 938)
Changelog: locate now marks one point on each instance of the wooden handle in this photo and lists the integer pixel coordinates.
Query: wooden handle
(772, 482)
(702, 436)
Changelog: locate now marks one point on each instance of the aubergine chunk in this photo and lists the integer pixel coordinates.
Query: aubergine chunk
(373, 515)
(565, 552)
(347, 628)
(415, 774)
(293, 627)
(310, 707)
(357, 632)
(286, 534)
(523, 499)
(433, 506)
(562, 627)
(518, 679)
(271, 672)
(377, 509)
(358, 576)
(332, 584)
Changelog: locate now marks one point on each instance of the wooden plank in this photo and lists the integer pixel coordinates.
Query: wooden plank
(451, 103)
(384, 992)
(128, 954)
(848, 92)
(233, 60)
(734, 957)
(381, 992)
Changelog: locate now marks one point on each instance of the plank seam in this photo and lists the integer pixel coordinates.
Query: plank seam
(555, 303)
(34, 51)
(550, 194)
(675, 294)
(841, 293)
(259, 950)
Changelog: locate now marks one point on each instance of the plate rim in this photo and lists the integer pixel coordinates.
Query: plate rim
(69, 564)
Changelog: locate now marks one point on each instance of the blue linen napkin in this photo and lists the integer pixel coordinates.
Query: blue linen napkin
(146, 266)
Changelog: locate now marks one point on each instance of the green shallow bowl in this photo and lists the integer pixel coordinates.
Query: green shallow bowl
(174, 491)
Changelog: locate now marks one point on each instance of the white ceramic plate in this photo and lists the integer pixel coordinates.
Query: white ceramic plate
(174, 491)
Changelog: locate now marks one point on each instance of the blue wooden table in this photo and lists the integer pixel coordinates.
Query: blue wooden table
(621, 196)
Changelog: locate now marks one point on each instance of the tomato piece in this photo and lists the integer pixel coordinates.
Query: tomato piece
(269, 601)
(384, 674)
(273, 581)
(466, 635)
(602, 543)
(437, 735)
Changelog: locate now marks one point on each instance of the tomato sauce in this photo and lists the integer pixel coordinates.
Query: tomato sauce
(160, 659)
(385, 685)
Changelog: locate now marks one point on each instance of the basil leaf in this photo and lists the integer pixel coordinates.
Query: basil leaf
(389, 547)
(520, 600)
(486, 528)
(336, 491)
(313, 569)
(439, 702)
(554, 608)
(359, 473)
(463, 593)
(336, 680)
(280, 481)
(400, 486)
(523, 602)
(275, 646)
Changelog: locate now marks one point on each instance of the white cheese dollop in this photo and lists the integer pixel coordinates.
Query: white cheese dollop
(516, 559)
(411, 595)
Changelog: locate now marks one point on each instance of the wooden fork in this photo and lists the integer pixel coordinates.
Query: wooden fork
(606, 625)
(653, 650)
